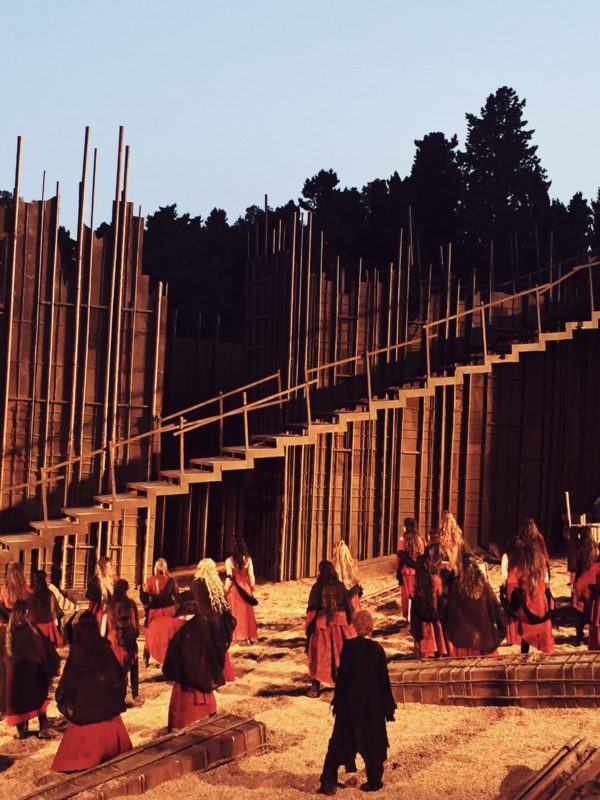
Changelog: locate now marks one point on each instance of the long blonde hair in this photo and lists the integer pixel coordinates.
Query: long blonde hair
(15, 582)
(161, 567)
(207, 571)
(345, 566)
(451, 537)
(104, 573)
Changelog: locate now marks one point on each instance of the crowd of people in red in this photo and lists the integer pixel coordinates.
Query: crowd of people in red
(445, 596)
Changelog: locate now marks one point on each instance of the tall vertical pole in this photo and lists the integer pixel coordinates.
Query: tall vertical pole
(319, 307)
(307, 300)
(155, 367)
(291, 305)
(10, 310)
(77, 321)
(399, 294)
(111, 311)
(86, 336)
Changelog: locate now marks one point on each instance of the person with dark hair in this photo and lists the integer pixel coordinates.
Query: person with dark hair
(413, 546)
(121, 627)
(474, 622)
(162, 630)
(531, 600)
(43, 608)
(91, 695)
(239, 590)
(15, 587)
(31, 663)
(587, 568)
(101, 587)
(362, 703)
(197, 654)
(426, 611)
(328, 625)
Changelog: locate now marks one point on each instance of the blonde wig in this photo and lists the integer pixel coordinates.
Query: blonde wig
(161, 567)
(207, 571)
(345, 566)
(15, 582)
(104, 573)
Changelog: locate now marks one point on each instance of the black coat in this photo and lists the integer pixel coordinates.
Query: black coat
(29, 670)
(196, 654)
(362, 702)
(474, 623)
(92, 686)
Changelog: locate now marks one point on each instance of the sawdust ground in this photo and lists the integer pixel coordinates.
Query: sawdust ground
(456, 752)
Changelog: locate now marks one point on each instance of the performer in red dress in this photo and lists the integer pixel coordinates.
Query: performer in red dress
(159, 596)
(91, 695)
(31, 663)
(43, 608)
(413, 546)
(328, 625)
(120, 625)
(474, 622)
(15, 587)
(529, 596)
(101, 587)
(586, 569)
(196, 657)
(239, 590)
(426, 611)
(347, 572)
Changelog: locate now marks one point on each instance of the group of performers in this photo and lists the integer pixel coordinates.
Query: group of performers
(188, 633)
(445, 595)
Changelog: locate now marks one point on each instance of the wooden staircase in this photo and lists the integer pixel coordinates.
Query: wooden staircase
(258, 446)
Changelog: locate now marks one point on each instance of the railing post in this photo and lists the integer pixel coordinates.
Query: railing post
(111, 469)
(538, 312)
(182, 445)
(280, 393)
(307, 396)
(221, 422)
(483, 333)
(246, 432)
(425, 333)
(368, 373)
(44, 494)
(591, 282)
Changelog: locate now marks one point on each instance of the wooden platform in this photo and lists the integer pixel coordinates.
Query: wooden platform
(198, 748)
(563, 680)
(573, 773)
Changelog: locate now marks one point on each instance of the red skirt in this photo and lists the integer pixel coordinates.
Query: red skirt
(433, 640)
(538, 636)
(15, 719)
(512, 632)
(189, 705)
(228, 672)
(325, 645)
(244, 614)
(408, 588)
(85, 746)
(159, 634)
(50, 631)
(159, 613)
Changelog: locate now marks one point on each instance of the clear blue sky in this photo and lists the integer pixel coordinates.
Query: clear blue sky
(225, 101)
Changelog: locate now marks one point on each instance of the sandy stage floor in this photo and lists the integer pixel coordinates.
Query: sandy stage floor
(435, 751)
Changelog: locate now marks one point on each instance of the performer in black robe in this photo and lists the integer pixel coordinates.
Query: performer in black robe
(362, 703)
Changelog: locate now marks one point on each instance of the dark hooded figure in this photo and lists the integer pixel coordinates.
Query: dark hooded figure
(31, 663)
(91, 695)
(362, 703)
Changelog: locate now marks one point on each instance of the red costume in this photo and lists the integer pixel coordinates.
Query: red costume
(534, 613)
(325, 637)
(243, 611)
(425, 625)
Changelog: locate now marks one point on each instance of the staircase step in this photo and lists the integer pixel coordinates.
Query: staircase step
(286, 439)
(256, 450)
(156, 488)
(55, 527)
(21, 541)
(87, 514)
(222, 463)
(123, 500)
(189, 476)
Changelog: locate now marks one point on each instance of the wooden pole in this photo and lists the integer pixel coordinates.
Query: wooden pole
(568, 505)
(291, 306)
(357, 310)
(156, 362)
(10, 310)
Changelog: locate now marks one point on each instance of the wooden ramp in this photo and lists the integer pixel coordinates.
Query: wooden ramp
(560, 680)
(572, 774)
(197, 748)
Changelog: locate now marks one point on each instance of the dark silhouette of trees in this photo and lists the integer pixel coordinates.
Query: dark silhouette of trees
(505, 185)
